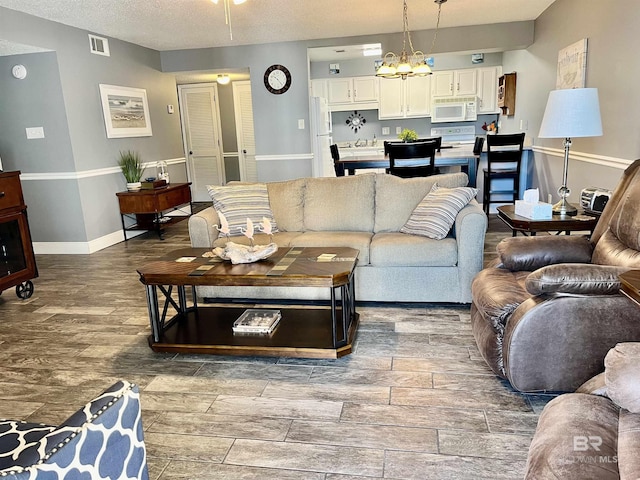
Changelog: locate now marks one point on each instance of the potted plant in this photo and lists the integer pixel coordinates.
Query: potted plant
(132, 169)
(408, 135)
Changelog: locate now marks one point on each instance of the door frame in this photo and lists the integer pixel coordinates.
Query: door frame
(216, 110)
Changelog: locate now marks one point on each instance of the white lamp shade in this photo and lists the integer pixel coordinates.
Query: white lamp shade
(572, 112)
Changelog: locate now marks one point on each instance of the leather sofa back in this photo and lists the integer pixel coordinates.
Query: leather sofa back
(618, 231)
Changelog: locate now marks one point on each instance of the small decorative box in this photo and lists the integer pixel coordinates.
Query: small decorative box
(534, 210)
(153, 184)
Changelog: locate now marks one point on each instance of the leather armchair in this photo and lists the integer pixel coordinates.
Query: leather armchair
(547, 311)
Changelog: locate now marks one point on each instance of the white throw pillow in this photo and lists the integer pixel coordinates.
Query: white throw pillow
(436, 213)
(239, 202)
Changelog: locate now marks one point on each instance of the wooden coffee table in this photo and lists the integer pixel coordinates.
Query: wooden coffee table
(312, 332)
(558, 223)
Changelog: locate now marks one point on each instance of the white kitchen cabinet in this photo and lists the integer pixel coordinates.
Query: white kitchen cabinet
(319, 88)
(348, 93)
(488, 89)
(454, 83)
(410, 98)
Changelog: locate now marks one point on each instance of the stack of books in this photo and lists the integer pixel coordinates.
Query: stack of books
(256, 320)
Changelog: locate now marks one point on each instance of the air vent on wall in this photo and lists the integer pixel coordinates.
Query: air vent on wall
(99, 45)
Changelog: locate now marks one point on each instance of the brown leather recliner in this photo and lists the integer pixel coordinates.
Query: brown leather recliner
(547, 311)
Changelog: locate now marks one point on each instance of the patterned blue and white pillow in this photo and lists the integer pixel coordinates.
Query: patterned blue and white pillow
(436, 213)
(242, 201)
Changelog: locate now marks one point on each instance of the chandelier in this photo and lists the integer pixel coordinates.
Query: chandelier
(227, 12)
(407, 65)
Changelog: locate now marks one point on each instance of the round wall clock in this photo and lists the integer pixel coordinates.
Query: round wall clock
(277, 79)
(356, 121)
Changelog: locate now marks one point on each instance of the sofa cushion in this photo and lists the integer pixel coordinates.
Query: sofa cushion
(240, 202)
(575, 278)
(340, 203)
(282, 239)
(398, 249)
(531, 253)
(357, 240)
(436, 213)
(287, 201)
(397, 197)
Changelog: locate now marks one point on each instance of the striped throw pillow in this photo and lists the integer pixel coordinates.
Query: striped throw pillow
(436, 213)
(239, 202)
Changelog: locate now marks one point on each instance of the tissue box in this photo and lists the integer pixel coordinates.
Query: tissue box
(534, 211)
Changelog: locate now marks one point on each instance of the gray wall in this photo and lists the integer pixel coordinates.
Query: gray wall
(612, 67)
(65, 203)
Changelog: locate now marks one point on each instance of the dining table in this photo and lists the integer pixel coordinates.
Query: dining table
(451, 156)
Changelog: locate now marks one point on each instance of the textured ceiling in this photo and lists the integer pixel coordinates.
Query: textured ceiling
(181, 24)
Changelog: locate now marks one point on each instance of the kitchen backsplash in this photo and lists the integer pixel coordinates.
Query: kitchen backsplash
(343, 132)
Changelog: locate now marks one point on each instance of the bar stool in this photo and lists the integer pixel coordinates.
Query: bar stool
(504, 157)
(335, 154)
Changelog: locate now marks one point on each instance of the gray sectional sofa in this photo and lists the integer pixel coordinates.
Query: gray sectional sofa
(365, 212)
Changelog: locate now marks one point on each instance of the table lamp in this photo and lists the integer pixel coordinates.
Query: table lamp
(570, 113)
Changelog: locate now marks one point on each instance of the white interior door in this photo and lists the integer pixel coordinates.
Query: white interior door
(243, 107)
(200, 116)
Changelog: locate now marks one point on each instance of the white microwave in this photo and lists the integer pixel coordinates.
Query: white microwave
(454, 109)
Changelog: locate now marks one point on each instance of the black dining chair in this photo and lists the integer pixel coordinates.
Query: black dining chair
(504, 158)
(412, 159)
(478, 145)
(335, 154)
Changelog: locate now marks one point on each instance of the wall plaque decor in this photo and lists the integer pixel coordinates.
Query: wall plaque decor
(572, 66)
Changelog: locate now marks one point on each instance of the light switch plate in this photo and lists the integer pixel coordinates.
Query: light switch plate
(34, 132)
(385, 130)
(398, 130)
(301, 124)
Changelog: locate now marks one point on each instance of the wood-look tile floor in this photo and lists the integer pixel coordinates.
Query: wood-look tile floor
(414, 401)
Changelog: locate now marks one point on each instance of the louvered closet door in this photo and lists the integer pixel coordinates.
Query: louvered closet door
(243, 106)
(201, 123)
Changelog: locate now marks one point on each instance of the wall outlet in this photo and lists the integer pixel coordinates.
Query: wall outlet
(169, 108)
(385, 130)
(301, 124)
(398, 130)
(524, 125)
(34, 132)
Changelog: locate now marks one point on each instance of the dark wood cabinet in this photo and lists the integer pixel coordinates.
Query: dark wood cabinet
(507, 93)
(17, 261)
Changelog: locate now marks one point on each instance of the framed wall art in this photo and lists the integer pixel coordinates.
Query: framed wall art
(572, 66)
(126, 111)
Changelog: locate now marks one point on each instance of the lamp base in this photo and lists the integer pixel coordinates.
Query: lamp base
(564, 208)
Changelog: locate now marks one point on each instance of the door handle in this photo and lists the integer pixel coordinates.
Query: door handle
(244, 151)
(1, 194)
(190, 152)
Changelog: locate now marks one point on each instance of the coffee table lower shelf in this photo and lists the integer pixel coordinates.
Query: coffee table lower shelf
(302, 332)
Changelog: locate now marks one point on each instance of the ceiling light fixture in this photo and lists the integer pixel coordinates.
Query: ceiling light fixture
(223, 79)
(407, 65)
(227, 12)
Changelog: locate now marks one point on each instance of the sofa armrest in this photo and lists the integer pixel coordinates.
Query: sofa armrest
(201, 231)
(575, 278)
(469, 229)
(531, 253)
(622, 375)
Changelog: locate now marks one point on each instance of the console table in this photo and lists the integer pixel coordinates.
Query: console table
(147, 207)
